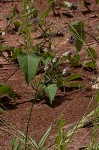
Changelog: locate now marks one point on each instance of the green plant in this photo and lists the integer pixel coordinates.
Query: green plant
(97, 1)
(5, 89)
(77, 29)
(94, 144)
(78, 32)
(33, 57)
(19, 143)
(93, 147)
(61, 137)
(53, 77)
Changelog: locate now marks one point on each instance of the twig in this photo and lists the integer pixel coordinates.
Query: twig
(11, 75)
(92, 36)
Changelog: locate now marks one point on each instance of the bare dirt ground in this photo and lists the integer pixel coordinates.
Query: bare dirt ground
(74, 104)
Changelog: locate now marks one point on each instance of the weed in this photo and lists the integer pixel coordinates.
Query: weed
(32, 57)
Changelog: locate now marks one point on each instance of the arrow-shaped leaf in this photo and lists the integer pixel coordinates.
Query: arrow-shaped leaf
(77, 28)
(73, 77)
(51, 91)
(29, 64)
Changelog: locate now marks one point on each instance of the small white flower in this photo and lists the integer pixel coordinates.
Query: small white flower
(49, 65)
(46, 67)
(65, 71)
(3, 33)
(67, 39)
(27, 7)
(65, 54)
(55, 59)
(29, 10)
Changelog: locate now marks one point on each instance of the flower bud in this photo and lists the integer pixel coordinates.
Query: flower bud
(72, 40)
(65, 71)
(48, 66)
(70, 53)
(45, 68)
(56, 59)
(67, 53)
(27, 7)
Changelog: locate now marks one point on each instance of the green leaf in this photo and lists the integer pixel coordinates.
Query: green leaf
(30, 140)
(46, 60)
(1, 110)
(61, 122)
(91, 53)
(42, 141)
(35, 13)
(5, 89)
(33, 143)
(77, 29)
(18, 146)
(16, 25)
(1, 48)
(74, 61)
(74, 85)
(97, 1)
(61, 135)
(59, 82)
(58, 139)
(97, 96)
(46, 13)
(29, 65)
(77, 85)
(15, 10)
(73, 77)
(51, 91)
(14, 142)
(90, 64)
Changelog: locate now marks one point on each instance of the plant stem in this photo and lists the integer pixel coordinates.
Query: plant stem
(28, 124)
(30, 114)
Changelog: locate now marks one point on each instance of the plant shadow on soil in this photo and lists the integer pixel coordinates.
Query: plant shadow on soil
(59, 99)
(89, 69)
(5, 103)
